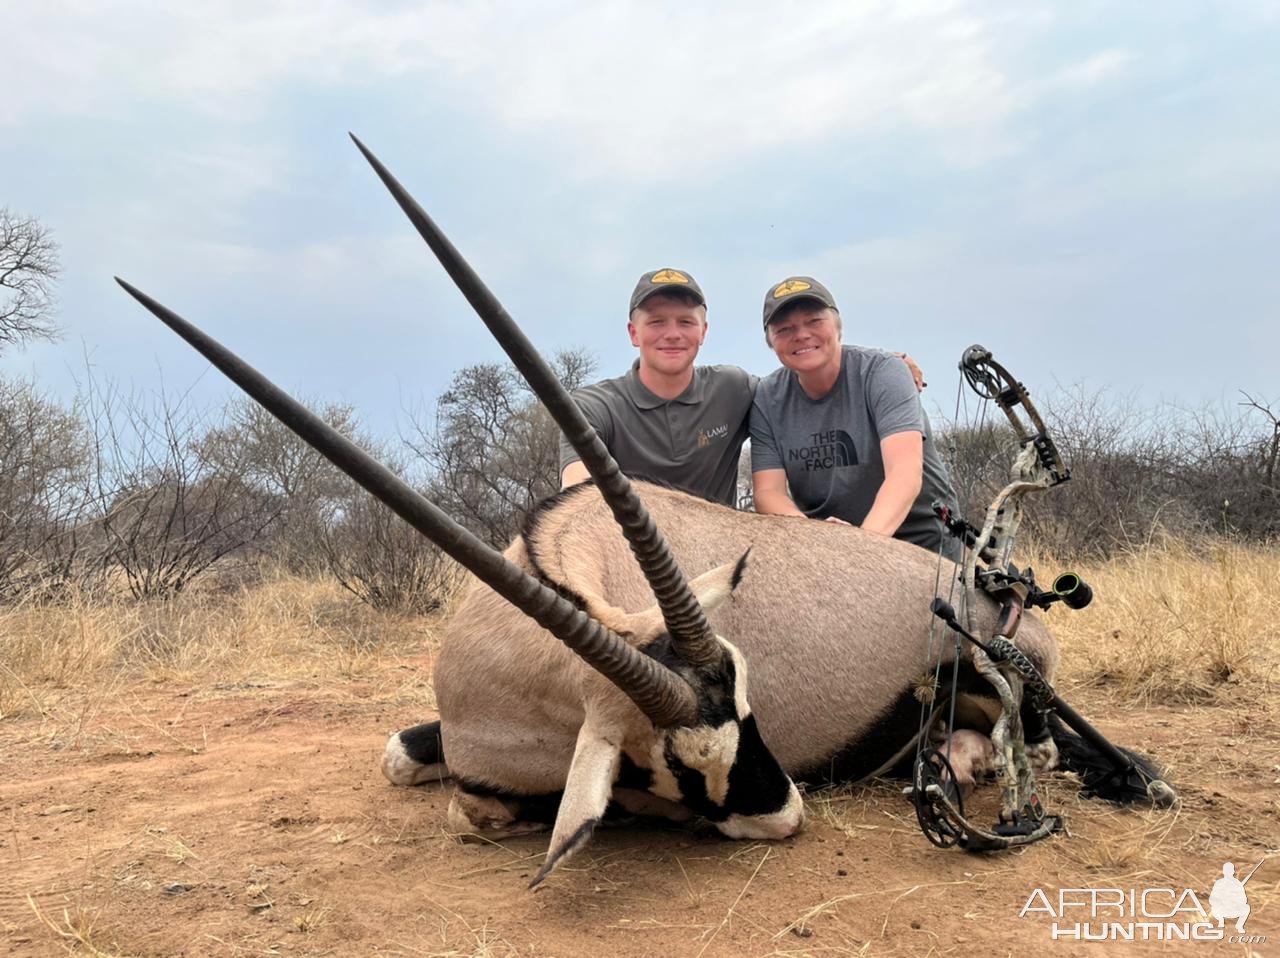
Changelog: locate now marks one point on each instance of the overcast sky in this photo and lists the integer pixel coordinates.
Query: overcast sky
(1092, 190)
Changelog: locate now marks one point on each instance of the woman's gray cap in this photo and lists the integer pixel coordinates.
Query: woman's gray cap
(661, 280)
(790, 290)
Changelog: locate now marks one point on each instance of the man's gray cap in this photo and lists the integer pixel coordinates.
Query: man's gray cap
(662, 280)
(790, 290)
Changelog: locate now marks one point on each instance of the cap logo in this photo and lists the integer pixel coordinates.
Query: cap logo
(788, 287)
(669, 276)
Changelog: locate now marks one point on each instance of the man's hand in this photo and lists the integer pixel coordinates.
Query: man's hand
(916, 372)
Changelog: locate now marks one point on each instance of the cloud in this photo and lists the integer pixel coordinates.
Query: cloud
(641, 91)
(1099, 68)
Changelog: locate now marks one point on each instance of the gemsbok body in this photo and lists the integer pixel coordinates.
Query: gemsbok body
(831, 632)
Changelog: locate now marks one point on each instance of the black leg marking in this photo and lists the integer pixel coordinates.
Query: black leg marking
(575, 841)
(422, 743)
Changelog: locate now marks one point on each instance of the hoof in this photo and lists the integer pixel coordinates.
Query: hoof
(487, 816)
(1043, 756)
(1161, 794)
(400, 769)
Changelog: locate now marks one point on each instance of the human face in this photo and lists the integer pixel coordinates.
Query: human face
(668, 333)
(806, 338)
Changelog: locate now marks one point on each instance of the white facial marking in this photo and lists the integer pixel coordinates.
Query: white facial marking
(664, 783)
(710, 751)
(740, 682)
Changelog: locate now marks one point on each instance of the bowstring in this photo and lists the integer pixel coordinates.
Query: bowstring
(933, 648)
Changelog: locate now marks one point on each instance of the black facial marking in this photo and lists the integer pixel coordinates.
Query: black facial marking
(631, 775)
(713, 684)
(693, 788)
(757, 783)
(422, 743)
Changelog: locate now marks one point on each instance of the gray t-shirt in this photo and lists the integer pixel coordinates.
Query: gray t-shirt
(692, 442)
(830, 447)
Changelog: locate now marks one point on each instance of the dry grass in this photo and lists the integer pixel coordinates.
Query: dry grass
(75, 933)
(1172, 622)
(63, 661)
(1177, 622)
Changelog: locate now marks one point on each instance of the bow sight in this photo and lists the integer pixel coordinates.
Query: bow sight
(939, 806)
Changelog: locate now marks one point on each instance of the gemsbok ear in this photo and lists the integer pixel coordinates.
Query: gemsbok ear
(586, 793)
(712, 589)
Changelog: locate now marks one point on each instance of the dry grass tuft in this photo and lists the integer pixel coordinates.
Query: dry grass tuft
(75, 932)
(283, 629)
(1176, 622)
(311, 919)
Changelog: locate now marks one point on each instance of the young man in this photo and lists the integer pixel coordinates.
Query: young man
(838, 433)
(666, 418)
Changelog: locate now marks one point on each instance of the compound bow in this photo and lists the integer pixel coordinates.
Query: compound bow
(1037, 466)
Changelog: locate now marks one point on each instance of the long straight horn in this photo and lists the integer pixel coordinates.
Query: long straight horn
(656, 690)
(684, 617)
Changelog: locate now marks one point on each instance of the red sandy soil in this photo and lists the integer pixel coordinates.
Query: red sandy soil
(254, 821)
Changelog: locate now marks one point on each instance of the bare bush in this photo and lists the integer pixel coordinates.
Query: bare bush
(386, 563)
(493, 451)
(28, 269)
(44, 459)
(1136, 471)
(165, 514)
(276, 465)
(382, 560)
(1226, 470)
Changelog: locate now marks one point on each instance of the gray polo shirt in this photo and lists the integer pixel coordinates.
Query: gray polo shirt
(830, 447)
(692, 442)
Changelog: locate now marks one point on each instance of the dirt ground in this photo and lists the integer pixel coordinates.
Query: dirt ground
(252, 820)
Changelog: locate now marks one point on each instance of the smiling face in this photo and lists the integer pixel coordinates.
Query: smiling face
(806, 337)
(668, 331)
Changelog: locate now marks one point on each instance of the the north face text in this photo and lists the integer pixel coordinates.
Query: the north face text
(828, 449)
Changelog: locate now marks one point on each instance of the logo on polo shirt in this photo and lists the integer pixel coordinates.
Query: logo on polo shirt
(706, 436)
(827, 449)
